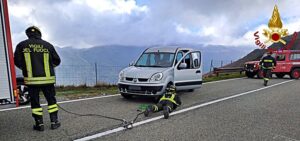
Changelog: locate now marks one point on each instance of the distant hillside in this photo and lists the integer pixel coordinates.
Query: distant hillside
(258, 53)
(118, 55)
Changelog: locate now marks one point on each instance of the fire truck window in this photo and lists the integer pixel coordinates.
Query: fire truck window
(295, 57)
(280, 57)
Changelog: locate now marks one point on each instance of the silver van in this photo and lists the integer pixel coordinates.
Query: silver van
(159, 66)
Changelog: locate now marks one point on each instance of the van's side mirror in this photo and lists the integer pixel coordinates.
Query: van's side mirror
(131, 63)
(182, 66)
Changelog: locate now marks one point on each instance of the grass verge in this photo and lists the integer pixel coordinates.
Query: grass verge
(223, 76)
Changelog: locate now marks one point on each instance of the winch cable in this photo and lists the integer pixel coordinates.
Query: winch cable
(126, 124)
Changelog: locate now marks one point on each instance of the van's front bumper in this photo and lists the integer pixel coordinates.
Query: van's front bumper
(141, 89)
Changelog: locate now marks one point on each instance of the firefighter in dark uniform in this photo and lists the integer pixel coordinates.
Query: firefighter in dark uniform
(168, 103)
(267, 63)
(37, 59)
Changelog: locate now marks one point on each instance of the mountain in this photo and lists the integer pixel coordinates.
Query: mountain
(118, 55)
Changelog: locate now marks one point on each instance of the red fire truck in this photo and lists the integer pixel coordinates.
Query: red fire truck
(8, 88)
(288, 63)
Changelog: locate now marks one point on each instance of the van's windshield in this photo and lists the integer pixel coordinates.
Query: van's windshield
(155, 59)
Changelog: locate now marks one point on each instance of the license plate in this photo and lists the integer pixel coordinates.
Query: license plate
(135, 88)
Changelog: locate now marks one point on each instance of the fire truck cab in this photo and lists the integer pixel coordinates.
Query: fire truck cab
(288, 63)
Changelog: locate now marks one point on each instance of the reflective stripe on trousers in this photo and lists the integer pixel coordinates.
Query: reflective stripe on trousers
(52, 108)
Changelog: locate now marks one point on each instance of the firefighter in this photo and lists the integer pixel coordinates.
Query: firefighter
(168, 103)
(267, 64)
(37, 59)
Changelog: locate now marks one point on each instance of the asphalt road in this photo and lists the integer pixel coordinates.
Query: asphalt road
(258, 113)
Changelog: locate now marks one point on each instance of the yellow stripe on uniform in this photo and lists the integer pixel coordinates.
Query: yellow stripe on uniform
(52, 108)
(169, 99)
(28, 64)
(37, 111)
(46, 64)
(269, 61)
(39, 80)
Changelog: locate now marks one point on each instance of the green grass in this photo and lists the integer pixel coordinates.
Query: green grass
(75, 92)
(223, 76)
(72, 92)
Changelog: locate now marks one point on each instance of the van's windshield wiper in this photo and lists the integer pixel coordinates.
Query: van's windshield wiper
(157, 66)
(140, 66)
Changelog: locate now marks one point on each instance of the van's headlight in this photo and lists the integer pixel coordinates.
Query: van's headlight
(121, 76)
(156, 77)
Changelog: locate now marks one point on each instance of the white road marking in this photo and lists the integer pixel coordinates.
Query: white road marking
(99, 97)
(177, 112)
(61, 102)
(223, 80)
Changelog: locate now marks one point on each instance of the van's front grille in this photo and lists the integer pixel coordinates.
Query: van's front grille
(140, 89)
(129, 79)
(139, 79)
(143, 79)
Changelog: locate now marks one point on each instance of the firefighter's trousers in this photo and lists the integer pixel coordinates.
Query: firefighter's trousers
(49, 93)
(159, 106)
(267, 74)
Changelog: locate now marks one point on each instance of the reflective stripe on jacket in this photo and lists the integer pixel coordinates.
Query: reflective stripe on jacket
(171, 99)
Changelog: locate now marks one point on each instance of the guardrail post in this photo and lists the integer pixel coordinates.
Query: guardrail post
(211, 65)
(96, 73)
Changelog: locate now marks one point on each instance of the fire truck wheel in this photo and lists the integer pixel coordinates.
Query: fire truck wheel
(24, 97)
(295, 74)
(280, 75)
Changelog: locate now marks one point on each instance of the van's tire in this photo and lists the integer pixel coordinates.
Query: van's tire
(280, 75)
(260, 74)
(295, 74)
(156, 99)
(191, 90)
(250, 74)
(126, 96)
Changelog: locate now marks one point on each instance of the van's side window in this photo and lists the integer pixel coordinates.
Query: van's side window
(295, 56)
(187, 60)
(178, 57)
(196, 56)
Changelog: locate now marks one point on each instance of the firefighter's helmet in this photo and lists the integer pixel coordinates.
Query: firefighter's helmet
(33, 30)
(171, 89)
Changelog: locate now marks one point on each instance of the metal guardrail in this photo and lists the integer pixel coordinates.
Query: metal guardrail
(217, 71)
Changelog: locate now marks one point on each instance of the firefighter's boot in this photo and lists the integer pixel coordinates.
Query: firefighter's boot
(166, 112)
(148, 111)
(54, 121)
(265, 82)
(39, 125)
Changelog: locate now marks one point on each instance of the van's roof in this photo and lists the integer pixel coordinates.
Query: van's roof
(171, 49)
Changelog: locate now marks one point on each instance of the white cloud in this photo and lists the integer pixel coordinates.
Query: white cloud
(116, 6)
(86, 23)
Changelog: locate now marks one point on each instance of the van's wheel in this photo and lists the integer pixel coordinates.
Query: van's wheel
(191, 90)
(280, 75)
(156, 99)
(126, 96)
(295, 74)
(260, 74)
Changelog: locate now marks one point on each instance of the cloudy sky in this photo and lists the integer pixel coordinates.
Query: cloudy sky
(88, 23)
